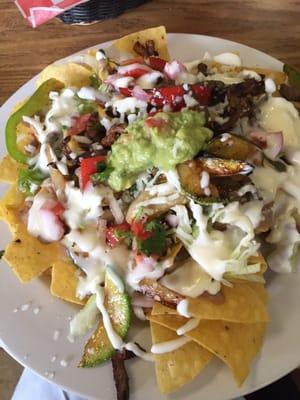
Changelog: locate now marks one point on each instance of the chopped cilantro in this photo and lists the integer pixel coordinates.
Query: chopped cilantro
(103, 172)
(125, 236)
(156, 243)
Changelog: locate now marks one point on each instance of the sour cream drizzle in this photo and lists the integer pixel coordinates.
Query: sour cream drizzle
(189, 326)
(182, 308)
(170, 345)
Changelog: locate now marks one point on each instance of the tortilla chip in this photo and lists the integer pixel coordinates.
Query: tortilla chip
(241, 304)
(10, 204)
(235, 344)
(71, 74)
(64, 281)
(47, 273)
(28, 256)
(176, 368)
(278, 77)
(9, 169)
(157, 34)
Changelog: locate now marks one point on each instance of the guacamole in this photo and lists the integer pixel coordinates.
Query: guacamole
(163, 141)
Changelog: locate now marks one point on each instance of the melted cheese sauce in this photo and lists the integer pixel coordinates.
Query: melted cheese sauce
(278, 114)
(190, 280)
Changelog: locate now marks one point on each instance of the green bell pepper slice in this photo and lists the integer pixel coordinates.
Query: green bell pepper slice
(38, 101)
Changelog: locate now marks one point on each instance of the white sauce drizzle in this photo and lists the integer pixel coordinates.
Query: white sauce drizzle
(171, 345)
(188, 326)
(182, 308)
(228, 59)
(204, 180)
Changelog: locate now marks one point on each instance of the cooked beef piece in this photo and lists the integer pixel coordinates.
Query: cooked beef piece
(120, 374)
(112, 135)
(145, 50)
(202, 68)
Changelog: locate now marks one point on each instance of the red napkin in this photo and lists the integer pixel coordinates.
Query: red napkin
(37, 12)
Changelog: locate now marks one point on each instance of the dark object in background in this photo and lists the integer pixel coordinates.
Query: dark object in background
(284, 388)
(96, 10)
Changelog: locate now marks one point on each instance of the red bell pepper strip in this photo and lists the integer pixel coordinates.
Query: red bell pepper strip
(88, 166)
(157, 63)
(116, 234)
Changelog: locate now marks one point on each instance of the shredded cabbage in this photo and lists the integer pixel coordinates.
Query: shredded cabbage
(215, 251)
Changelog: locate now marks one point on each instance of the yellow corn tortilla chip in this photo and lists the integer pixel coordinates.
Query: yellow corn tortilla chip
(10, 204)
(71, 74)
(157, 34)
(241, 304)
(64, 281)
(258, 288)
(176, 368)
(235, 344)
(28, 256)
(278, 77)
(9, 169)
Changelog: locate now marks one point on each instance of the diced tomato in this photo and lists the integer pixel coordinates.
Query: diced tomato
(88, 166)
(156, 122)
(114, 233)
(157, 63)
(125, 91)
(80, 124)
(202, 93)
(171, 95)
(138, 229)
(136, 73)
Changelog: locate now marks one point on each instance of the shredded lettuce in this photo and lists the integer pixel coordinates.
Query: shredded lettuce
(215, 251)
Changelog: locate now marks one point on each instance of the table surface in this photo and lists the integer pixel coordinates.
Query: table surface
(269, 25)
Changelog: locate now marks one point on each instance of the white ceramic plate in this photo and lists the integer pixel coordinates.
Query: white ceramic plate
(29, 337)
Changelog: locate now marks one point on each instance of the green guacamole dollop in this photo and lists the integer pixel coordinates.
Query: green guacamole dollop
(163, 141)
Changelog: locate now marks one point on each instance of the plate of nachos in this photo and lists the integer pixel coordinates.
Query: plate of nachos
(150, 208)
